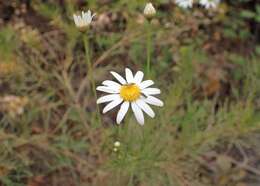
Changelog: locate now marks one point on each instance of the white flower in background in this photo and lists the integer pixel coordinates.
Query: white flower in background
(149, 10)
(84, 20)
(209, 3)
(184, 3)
(115, 149)
(131, 91)
(117, 144)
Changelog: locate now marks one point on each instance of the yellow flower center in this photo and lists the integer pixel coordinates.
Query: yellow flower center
(130, 92)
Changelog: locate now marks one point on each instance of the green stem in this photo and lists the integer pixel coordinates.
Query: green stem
(90, 72)
(148, 48)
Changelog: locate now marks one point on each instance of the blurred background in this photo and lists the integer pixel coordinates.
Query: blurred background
(205, 61)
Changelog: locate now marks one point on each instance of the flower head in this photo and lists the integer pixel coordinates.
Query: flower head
(184, 3)
(115, 149)
(209, 3)
(117, 144)
(131, 91)
(84, 20)
(149, 10)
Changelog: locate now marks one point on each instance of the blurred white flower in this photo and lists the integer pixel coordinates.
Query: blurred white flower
(117, 144)
(184, 3)
(115, 149)
(130, 91)
(209, 3)
(84, 20)
(149, 10)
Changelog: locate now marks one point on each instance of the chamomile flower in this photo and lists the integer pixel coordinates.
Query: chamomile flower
(149, 10)
(184, 3)
(130, 92)
(84, 20)
(209, 3)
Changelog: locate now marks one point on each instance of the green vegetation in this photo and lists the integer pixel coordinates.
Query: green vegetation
(206, 63)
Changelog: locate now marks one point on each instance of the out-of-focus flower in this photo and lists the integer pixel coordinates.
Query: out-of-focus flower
(149, 10)
(184, 3)
(209, 3)
(117, 144)
(13, 105)
(115, 149)
(83, 21)
(131, 91)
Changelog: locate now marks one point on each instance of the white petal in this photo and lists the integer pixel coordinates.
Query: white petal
(82, 13)
(108, 98)
(151, 91)
(129, 76)
(89, 13)
(146, 84)
(112, 84)
(138, 77)
(81, 21)
(87, 17)
(153, 101)
(107, 89)
(138, 113)
(146, 108)
(122, 112)
(112, 105)
(118, 77)
(75, 17)
(184, 3)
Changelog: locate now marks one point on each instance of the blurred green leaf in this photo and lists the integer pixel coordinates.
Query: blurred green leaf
(257, 50)
(8, 43)
(247, 14)
(258, 9)
(257, 18)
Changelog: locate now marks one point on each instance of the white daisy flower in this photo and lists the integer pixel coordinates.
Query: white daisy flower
(209, 3)
(131, 91)
(184, 3)
(84, 20)
(149, 10)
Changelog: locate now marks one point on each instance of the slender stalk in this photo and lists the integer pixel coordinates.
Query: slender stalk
(90, 72)
(148, 48)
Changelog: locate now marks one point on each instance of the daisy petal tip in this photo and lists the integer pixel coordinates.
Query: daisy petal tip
(99, 101)
(113, 72)
(128, 70)
(105, 111)
(161, 104)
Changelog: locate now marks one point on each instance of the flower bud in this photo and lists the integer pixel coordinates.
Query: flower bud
(149, 10)
(117, 144)
(84, 20)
